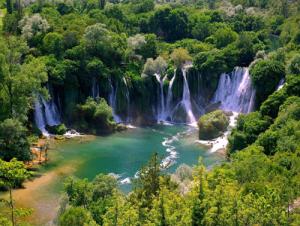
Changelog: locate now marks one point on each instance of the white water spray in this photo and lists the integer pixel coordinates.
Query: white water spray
(45, 113)
(161, 109)
(235, 91)
(281, 84)
(112, 101)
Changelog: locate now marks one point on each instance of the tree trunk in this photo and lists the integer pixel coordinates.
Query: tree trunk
(11, 206)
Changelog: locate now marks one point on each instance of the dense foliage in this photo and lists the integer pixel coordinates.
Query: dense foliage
(62, 49)
(95, 115)
(212, 125)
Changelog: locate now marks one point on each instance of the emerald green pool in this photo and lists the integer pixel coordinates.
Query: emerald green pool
(126, 152)
(122, 153)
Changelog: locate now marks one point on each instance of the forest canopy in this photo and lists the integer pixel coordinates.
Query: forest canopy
(91, 61)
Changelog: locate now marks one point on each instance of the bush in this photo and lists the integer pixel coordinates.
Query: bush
(271, 106)
(247, 130)
(60, 129)
(212, 125)
(96, 116)
(294, 66)
(266, 75)
(13, 141)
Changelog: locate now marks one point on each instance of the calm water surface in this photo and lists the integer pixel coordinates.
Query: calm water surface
(122, 153)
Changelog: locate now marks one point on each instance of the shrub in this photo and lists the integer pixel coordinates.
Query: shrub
(96, 115)
(266, 75)
(60, 129)
(212, 125)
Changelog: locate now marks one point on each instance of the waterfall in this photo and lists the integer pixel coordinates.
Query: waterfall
(51, 112)
(280, 84)
(161, 112)
(170, 94)
(112, 101)
(235, 91)
(185, 103)
(45, 113)
(186, 98)
(127, 100)
(95, 88)
(39, 117)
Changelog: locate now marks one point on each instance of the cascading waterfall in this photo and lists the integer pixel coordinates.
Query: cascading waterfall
(46, 113)
(235, 91)
(161, 110)
(185, 102)
(281, 84)
(95, 88)
(39, 117)
(112, 101)
(127, 100)
(170, 94)
(186, 98)
(51, 112)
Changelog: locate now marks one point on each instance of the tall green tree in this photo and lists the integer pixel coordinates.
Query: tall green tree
(20, 81)
(13, 141)
(12, 174)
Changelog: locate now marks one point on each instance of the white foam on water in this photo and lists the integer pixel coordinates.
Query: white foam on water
(130, 126)
(72, 134)
(125, 181)
(171, 150)
(235, 91)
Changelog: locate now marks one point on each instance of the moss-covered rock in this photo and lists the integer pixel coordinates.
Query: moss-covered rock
(60, 129)
(212, 125)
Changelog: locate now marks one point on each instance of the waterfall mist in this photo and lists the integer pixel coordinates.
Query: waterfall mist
(235, 91)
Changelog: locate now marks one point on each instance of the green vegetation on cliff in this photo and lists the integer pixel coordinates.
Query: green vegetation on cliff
(63, 48)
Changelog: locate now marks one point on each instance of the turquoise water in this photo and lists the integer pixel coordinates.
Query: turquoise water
(126, 152)
(122, 153)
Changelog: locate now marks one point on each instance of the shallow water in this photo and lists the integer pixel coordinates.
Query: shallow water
(122, 153)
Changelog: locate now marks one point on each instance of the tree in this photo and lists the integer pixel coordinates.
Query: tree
(53, 43)
(247, 130)
(12, 174)
(79, 191)
(103, 186)
(149, 49)
(180, 56)
(136, 42)
(9, 6)
(224, 36)
(266, 75)
(76, 216)
(157, 66)
(294, 66)
(147, 184)
(13, 141)
(33, 26)
(271, 105)
(201, 28)
(170, 24)
(96, 115)
(198, 208)
(19, 82)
